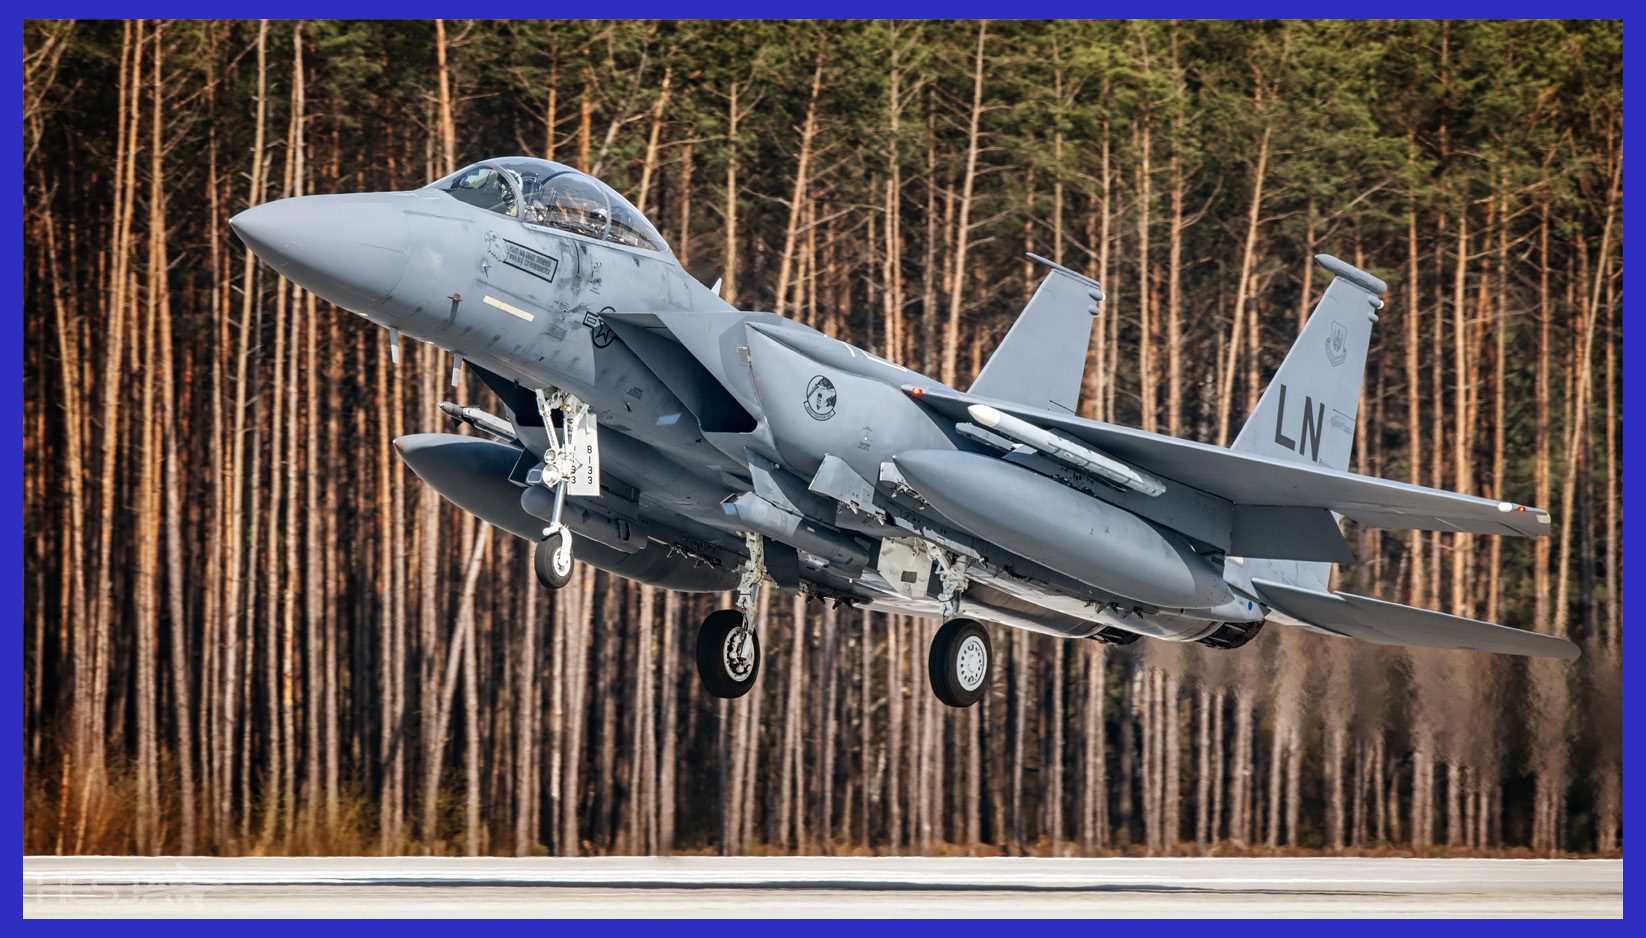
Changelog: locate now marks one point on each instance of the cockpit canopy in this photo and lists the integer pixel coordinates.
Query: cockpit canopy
(540, 192)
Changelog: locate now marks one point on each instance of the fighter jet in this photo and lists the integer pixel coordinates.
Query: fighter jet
(653, 430)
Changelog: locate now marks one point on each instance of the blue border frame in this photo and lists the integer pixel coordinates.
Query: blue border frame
(11, 404)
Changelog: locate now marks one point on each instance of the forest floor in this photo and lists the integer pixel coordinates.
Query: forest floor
(1343, 887)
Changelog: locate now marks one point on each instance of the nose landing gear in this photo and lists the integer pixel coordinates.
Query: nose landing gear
(571, 466)
(553, 559)
(728, 650)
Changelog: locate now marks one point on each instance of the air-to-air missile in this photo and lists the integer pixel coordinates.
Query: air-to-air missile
(651, 429)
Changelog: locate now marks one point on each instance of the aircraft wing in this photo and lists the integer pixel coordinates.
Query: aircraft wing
(1251, 479)
(1386, 623)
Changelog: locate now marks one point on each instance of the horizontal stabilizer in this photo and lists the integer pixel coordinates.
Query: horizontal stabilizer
(1386, 623)
(1042, 360)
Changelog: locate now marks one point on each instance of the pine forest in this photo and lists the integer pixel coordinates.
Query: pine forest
(249, 629)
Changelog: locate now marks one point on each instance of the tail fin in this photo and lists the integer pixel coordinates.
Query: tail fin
(1042, 360)
(1307, 413)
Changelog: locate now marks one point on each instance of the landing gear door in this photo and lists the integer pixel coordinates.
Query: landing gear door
(906, 565)
(585, 442)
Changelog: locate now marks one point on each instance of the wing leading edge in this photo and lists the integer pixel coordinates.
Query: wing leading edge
(1386, 623)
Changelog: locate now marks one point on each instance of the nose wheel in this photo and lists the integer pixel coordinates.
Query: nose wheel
(959, 662)
(553, 559)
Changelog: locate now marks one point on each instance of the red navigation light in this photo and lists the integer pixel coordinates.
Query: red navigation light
(917, 391)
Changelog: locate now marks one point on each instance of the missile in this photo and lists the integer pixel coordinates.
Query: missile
(1065, 530)
(657, 565)
(479, 419)
(1065, 450)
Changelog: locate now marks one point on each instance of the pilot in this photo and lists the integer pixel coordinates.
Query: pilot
(505, 192)
(536, 211)
(556, 208)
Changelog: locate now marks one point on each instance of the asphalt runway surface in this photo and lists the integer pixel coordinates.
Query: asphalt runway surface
(379, 887)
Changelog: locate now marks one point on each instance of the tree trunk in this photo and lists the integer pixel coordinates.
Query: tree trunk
(951, 330)
(728, 287)
(525, 740)
(1243, 288)
(1414, 396)
(798, 200)
(1145, 312)
(668, 722)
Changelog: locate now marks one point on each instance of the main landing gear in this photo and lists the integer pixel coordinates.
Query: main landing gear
(728, 650)
(960, 657)
(959, 662)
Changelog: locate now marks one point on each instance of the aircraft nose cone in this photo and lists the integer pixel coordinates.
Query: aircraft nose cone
(349, 249)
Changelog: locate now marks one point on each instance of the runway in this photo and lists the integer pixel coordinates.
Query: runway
(376, 887)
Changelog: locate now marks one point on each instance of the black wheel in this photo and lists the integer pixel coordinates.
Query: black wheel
(959, 662)
(728, 655)
(553, 560)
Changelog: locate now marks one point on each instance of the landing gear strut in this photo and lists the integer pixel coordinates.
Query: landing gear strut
(553, 559)
(728, 650)
(960, 657)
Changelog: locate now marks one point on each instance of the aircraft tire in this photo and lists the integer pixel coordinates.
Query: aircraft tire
(553, 560)
(959, 663)
(724, 672)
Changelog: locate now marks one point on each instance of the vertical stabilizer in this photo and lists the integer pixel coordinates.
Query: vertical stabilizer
(1042, 360)
(1307, 413)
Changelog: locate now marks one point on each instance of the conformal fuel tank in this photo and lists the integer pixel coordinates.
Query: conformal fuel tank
(1070, 532)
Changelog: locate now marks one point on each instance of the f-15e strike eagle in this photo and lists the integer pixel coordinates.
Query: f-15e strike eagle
(652, 430)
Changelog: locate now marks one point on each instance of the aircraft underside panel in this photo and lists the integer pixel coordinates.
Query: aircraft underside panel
(656, 565)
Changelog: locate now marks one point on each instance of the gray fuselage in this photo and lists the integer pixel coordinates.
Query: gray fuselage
(690, 393)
